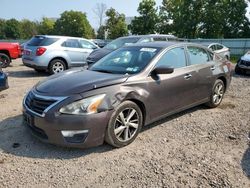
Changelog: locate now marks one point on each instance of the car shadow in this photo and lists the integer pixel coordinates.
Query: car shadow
(27, 74)
(16, 139)
(245, 162)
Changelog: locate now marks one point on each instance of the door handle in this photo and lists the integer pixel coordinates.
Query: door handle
(187, 76)
(213, 68)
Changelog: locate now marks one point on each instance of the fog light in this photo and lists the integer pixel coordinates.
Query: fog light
(75, 136)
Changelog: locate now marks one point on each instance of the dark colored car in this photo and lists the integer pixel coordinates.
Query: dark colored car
(99, 42)
(3, 79)
(127, 89)
(126, 41)
(243, 64)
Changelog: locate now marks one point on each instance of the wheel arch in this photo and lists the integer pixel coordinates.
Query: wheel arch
(62, 59)
(224, 80)
(142, 107)
(6, 52)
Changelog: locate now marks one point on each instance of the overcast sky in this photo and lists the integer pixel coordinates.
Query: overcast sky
(35, 9)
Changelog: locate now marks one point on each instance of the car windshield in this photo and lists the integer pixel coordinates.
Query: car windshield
(130, 60)
(121, 42)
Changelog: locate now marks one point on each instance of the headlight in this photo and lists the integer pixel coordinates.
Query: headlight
(84, 106)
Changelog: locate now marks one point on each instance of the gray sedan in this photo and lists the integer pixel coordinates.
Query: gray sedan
(124, 91)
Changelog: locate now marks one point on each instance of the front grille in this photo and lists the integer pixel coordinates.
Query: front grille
(246, 63)
(36, 104)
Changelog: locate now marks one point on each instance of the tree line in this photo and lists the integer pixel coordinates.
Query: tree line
(183, 18)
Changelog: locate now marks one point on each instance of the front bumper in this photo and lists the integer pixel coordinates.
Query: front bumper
(49, 126)
(3, 81)
(244, 65)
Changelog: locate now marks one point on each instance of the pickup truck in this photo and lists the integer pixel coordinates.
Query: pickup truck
(9, 51)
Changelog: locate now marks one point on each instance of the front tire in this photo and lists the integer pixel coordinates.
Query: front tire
(218, 92)
(5, 59)
(57, 66)
(124, 125)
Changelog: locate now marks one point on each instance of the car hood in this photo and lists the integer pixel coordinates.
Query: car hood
(77, 81)
(98, 54)
(246, 57)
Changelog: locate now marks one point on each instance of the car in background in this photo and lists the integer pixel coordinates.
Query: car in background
(3, 79)
(56, 53)
(99, 42)
(243, 64)
(125, 41)
(9, 51)
(219, 49)
(131, 87)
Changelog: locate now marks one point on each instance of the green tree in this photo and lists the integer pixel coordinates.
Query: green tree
(12, 29)
(235, 23)
(28, 29)
(2, 29)
(74, 23)
(181, 17)
(46, 26)
(101, 32)
(116, 24)
(147, 21)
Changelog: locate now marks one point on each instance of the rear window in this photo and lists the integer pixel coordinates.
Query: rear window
(41, 41)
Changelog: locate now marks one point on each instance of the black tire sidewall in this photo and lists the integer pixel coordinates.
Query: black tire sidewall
(110, 137)
(4, 65)
(53, 62)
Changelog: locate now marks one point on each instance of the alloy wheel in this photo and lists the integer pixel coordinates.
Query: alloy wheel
(126, 124)
(58, 67)
(218, 93)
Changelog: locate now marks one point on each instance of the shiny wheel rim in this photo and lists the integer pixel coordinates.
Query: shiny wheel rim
(58, 67)
(126, 124)
(218, 93)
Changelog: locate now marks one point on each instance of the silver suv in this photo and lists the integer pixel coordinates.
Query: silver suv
(56, 53)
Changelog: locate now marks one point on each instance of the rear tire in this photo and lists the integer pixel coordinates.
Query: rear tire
(57, 66)
(124, 125)
(5, 59)
(217, 94)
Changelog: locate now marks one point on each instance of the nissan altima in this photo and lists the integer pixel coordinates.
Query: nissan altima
(124, 91)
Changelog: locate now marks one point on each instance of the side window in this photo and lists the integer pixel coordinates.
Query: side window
(160, 39)
(213, 47)
(219, 47)
(174, 58)
(197, 55)
(86, 44)
(71, 43)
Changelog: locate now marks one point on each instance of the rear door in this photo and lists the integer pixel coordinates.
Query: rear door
(203, 66)
(171, 92)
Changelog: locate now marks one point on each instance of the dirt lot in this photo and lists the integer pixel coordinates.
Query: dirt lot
(197, 148)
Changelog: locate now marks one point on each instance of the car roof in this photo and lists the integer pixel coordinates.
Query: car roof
(150, 35)
(57, 36)
(164, 44)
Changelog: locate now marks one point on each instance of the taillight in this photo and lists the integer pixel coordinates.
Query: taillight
(40, 51)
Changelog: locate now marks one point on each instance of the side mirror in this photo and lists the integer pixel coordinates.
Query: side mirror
(162, 69)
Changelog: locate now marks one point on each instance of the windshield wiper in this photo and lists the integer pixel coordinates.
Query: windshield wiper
(103, 71)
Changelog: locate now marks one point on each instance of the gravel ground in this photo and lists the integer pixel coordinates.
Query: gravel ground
(200, 147)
